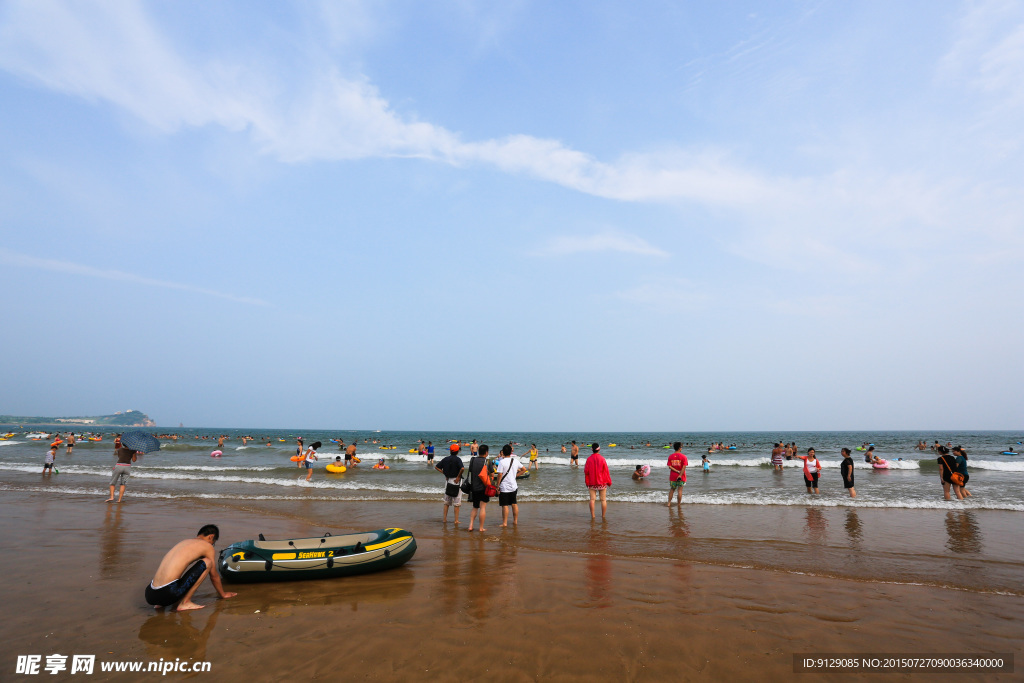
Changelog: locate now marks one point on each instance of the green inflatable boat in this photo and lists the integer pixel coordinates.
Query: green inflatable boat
(324, 557)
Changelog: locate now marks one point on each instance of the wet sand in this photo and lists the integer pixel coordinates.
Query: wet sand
(496, 604)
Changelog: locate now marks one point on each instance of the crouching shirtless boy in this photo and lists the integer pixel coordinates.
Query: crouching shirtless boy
(182, 570)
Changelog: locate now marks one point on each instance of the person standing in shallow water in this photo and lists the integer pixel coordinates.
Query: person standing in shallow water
(121, 471)
(51, 457)
(598, 479)
(479, 479)
(676, 473)
(961, 466)
(812, 470)
(452, 468)
(947, 467)
(509, 467)
(846, 469)
(310, 456)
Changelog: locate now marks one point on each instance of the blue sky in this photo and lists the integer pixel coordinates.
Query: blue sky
(477, 215)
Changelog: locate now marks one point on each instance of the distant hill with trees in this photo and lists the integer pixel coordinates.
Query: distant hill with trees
(128, 418)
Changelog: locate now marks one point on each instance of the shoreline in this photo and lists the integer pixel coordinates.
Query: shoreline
(972, 550)
(82, 565)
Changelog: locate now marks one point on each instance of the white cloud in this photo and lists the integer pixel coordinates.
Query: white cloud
(114, 53)
(607, 240)
(987, 60)
(13, 258)
(315, 112)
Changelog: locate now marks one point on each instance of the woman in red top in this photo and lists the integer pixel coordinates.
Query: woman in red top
(597, 478)
(812, 468)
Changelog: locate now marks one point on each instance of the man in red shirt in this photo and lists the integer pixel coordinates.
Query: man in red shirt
(677, 473)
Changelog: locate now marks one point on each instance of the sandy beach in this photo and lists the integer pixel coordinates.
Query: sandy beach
(469, 605)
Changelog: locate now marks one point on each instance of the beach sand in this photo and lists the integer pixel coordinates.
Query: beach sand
(467, 605)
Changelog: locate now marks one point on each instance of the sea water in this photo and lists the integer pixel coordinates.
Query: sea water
(183, 468)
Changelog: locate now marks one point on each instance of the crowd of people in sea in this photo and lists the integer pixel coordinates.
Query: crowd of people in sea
(477, 481)
(485, 476)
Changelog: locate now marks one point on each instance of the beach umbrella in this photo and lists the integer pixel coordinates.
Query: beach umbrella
(140, 441)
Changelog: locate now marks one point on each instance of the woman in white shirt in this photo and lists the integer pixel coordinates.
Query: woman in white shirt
(310, 455)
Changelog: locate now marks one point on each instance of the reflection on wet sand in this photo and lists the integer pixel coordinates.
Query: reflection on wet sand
(677, 523)
(598, 569)
(964, 532)
(478, 579)
(172, 634)
(451, 575)
(816, 526)
(854, 529)
(507, 594)
(114, 563)
(350, 591)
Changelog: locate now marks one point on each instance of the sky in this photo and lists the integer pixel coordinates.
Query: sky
(659, 215)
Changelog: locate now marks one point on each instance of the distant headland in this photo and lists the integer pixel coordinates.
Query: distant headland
(128, 418)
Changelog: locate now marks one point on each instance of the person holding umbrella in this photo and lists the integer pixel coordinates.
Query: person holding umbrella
(132, 444)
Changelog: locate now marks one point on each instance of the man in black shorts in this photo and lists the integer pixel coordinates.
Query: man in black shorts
(574, 455)
(509, 467)
(182, 570)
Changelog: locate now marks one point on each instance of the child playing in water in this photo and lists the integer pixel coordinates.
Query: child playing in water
(705, 463)
(50, 457)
